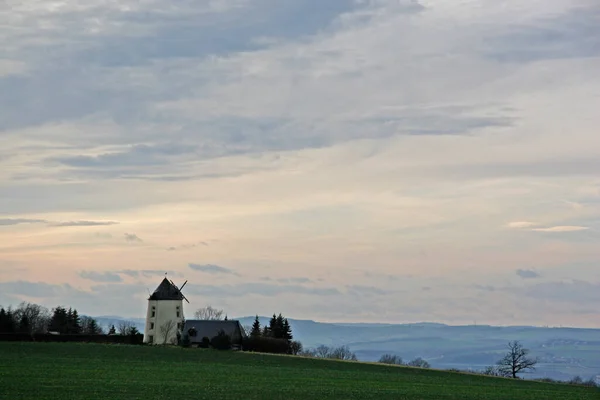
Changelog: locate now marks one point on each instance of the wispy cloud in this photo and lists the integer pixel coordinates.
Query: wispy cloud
(134, 273)
(262, 289)
(83, 223)
(521, 224)
(561, 229)
(187, 246)
(527, 273)
(132, 237)
(100, 276)
(17, 221)
(211, 269)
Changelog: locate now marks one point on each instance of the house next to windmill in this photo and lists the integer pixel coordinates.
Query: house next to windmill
(164, 317)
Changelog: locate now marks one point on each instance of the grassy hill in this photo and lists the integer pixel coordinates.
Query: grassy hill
(563, 352)
(43, 371)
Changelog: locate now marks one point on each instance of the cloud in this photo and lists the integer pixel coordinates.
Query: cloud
(261, 289)
(561, 229)
(83, 223)
(146, 272)
(38, 290)
(574, 292)
(187, 246)
(17, 221)
(100, 276)
(12, 67)
(356, 132)
(292, 280)
(211, 269)
(521, 224)
(486, 288)
(132, 237)
(553, 229)
(363, 290)
(527, 273)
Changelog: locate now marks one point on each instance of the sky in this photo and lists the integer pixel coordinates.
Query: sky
(357, 161)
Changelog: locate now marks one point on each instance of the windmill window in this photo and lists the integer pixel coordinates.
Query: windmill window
(153, 312)
(151, 325)
(150, 339)
(178, 314)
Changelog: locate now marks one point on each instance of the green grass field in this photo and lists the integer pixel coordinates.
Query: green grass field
(89, 371)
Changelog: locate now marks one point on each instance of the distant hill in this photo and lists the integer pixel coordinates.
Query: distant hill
(563, 352)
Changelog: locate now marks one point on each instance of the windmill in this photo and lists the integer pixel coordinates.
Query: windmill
(179, 289)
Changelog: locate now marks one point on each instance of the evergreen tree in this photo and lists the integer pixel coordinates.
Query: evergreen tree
(274, 327)
(11, 323)
(3, 320)
(94, 329)
(265, 331)
(59, 321)
(24, 324)
(287, 330)
(112, 330)
(73, 322)
(90, 326)
(255, 327)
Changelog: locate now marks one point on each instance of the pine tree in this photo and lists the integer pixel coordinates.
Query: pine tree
(59, 321)
(112, 330)
(287, 330)
(76, 322)
(255, 327)
(266, 332)
(274, 328)
(3, 320)
(93, 328)
(11, 323)
(24, 324)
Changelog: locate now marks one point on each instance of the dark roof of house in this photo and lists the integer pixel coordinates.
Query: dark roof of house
(166, 291)
(211, 328)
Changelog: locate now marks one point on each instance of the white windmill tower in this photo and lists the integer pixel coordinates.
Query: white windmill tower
(164, 317)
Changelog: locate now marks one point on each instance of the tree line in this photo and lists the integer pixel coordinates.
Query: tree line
(31, 319)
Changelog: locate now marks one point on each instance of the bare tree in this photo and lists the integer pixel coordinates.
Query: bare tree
(247, 329)
(125, 327)
(391, 359)
(322, 351)
(90, 326)
(209, 313)
(419, 363)
(167, 330)
(494, 370)
(516, 360)
(342, 353)
(38, 317)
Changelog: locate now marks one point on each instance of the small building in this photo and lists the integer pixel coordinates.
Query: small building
(164, 317)
(197, 330)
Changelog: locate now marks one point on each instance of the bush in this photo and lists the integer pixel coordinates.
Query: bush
(333, 353)
(185, 340)
(220, 342)
(390, 359)
(265, 344)
(419, 363)
(204, 343)
(295, 347)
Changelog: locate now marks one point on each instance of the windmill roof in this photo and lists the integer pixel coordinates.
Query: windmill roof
(166, 291)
